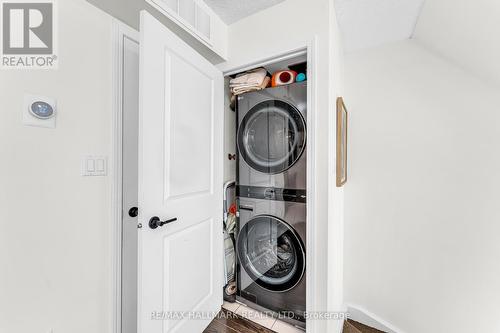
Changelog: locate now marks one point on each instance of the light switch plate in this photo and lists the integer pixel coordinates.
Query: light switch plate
(94, 165)
(30, 120)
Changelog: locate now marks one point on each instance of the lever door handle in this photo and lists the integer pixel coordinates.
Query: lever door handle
(155, 222)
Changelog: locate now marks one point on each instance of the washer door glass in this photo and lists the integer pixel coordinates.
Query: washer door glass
(272, 136)
(271, 253)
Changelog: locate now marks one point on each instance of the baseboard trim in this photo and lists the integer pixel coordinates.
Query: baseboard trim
(363, 316)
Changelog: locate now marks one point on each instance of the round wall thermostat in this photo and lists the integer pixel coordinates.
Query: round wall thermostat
(41, 110)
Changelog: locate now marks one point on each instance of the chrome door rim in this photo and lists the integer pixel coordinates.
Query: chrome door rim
(298, 124)
(255, 274)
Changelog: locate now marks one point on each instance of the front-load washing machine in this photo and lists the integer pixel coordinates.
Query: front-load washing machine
(271, 254)
(271, 137)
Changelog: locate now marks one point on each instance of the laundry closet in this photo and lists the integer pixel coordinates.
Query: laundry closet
(269, 150)
(265, 135)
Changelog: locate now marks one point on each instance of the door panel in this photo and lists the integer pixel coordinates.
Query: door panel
(191, 116)
(180, 175)
(187, 292)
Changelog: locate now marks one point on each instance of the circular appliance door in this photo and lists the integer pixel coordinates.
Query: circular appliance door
(271, 253)
(272, 136)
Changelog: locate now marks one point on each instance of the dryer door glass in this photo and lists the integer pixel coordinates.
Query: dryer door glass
(272, 136)
(271, 253)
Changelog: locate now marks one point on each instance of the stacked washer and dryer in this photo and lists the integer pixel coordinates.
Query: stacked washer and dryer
(271, 191)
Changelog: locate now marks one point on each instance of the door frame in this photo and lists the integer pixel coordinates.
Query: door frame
(310, 49)
(120, 31)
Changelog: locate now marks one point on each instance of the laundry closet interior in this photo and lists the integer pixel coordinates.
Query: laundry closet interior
(265, 173)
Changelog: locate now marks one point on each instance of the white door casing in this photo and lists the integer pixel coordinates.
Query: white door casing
(130, 115)
(180, 176)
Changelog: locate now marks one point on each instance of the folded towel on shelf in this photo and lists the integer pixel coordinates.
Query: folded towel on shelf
(243, 89)
(256, 79)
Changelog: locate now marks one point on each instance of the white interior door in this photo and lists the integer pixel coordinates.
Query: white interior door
(180, 176)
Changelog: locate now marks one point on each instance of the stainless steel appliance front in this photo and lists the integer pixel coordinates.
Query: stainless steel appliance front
(271, 137)
(271, 244)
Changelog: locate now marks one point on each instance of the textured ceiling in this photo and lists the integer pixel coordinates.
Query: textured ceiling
(231, 11)
(367, 23)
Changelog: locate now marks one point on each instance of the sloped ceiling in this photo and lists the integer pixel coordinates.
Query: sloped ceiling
(231, 11)
(363, 23)
(465, 32)
(367, 23)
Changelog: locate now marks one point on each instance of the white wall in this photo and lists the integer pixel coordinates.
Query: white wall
(54, 239)
(422, 239)
(255, 38)
(465, 32)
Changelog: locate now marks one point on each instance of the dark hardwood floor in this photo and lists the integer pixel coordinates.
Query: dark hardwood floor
(229, 322)
(363, 328)
(351, 326)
